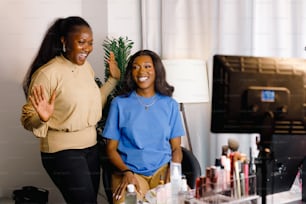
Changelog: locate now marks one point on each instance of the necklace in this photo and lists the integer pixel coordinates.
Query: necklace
(147, 106)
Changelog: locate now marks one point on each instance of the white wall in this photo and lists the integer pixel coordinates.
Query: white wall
(95, 12)
(124, 20)
(23, 24)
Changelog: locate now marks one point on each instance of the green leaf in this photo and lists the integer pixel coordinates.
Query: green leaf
(121, 47)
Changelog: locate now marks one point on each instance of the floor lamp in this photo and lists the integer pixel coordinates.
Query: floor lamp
(189, 78)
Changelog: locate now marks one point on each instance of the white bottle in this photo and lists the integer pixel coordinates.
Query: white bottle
(175, 178)
(184, 185)
(161, 194)
(131, 195)
(183, 194)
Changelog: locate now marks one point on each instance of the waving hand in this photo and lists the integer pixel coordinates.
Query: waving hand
(113, 67)
(43, 107)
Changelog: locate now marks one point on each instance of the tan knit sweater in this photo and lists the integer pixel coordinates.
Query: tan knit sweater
(78, 105)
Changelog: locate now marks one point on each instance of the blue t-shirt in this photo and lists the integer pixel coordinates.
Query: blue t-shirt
(144, 134)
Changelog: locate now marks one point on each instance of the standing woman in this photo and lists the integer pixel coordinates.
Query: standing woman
(64, 104)
(143, 128)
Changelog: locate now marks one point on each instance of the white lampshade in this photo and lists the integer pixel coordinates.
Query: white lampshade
(189, 78)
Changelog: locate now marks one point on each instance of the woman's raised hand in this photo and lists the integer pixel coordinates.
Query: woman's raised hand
(43, 107)
(113, 67)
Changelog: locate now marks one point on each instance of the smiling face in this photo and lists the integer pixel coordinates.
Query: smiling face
(143, 73)
(79, 45)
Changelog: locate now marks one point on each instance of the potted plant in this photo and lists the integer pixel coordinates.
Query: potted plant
(121, 47)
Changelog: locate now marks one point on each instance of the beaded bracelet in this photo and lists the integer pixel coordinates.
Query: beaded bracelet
(127, 170)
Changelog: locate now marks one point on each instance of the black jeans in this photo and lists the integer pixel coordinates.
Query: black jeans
(76, 173)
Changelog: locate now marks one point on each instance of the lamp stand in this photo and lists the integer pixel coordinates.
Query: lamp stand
(182, 109)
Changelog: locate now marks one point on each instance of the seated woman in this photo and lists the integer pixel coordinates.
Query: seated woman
(143, 128)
